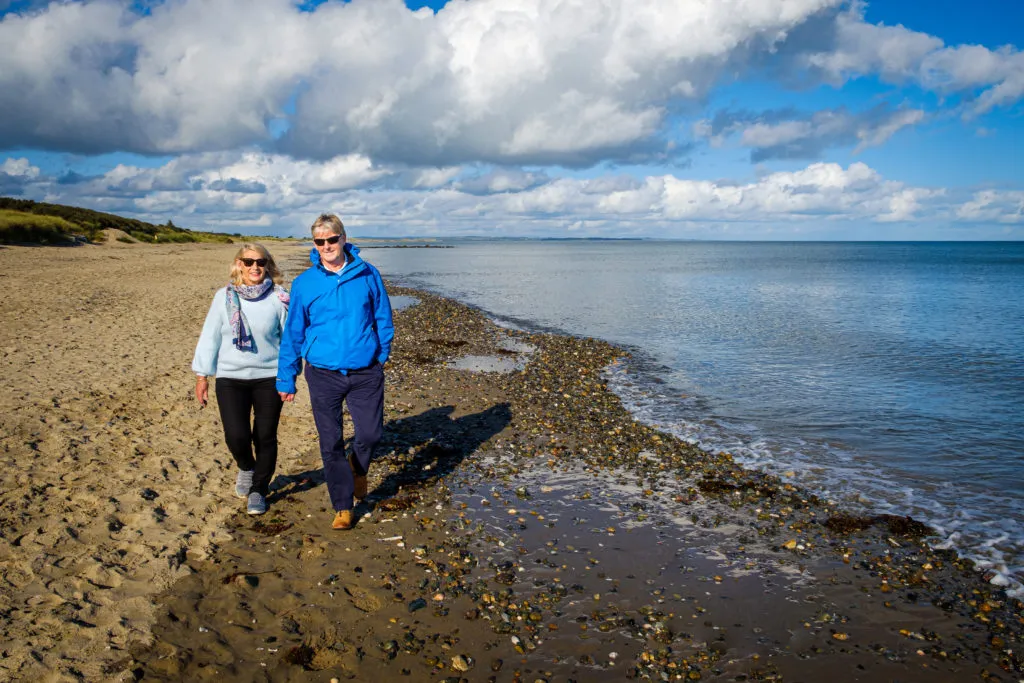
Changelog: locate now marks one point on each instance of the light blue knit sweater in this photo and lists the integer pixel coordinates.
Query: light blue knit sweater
(217, 355)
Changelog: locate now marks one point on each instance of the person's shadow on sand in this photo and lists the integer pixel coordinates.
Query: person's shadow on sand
(441, 443)
(447, 443)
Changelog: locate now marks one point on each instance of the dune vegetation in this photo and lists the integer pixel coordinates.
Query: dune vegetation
(23, 221)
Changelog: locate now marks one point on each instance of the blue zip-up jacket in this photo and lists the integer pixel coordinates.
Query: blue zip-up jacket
(336, 321)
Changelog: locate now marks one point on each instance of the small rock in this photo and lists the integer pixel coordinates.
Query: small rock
(462, 663)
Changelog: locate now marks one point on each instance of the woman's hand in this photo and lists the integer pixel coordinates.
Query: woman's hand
(202, 390)
(287, 398)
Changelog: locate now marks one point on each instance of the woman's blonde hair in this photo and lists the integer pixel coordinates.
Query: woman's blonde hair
(272, 270)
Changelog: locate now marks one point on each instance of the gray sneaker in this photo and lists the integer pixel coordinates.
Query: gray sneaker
(257, 504)
(243, 482)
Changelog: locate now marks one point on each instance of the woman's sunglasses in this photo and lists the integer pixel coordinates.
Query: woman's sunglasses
(247, 262)
(321, 241)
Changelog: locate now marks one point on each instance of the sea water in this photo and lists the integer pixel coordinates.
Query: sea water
(888, 377)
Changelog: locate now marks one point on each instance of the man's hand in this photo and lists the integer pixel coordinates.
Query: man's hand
(287, 398)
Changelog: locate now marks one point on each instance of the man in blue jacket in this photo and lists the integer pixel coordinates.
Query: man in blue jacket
(339, 321)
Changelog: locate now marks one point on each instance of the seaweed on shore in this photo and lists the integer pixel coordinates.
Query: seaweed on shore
(905, 526)
(721, 485)
(300, 655)
(271, 528)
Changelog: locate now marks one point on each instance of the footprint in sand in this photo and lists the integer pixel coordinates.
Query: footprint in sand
(363, 599)
(325, 652)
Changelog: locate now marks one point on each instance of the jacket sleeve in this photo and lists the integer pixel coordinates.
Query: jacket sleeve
(289, 362)
(204, 362)
(382, 318)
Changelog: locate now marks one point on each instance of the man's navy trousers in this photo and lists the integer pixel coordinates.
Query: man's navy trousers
(363, 391)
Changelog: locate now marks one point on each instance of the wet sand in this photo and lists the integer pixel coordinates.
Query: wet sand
(520, 525)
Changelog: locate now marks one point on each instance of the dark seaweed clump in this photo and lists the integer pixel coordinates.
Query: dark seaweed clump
(897, 525)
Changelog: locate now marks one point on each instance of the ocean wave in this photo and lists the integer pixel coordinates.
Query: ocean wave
(980, 525)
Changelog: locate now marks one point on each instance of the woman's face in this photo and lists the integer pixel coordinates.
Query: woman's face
(255, 273)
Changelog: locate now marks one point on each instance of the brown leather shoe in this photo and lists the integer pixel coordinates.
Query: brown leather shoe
(359, 479)
(343, 520)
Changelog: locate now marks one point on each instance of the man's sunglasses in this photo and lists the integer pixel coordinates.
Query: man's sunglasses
(321, 241)
(247, 262)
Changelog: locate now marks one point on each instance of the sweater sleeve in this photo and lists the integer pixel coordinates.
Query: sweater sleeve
(289, 362)
(382, 318)
(204, 362)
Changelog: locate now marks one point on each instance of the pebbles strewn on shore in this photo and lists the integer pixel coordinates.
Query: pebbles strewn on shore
(521, 526)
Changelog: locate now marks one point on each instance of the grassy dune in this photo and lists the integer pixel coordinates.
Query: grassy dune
(19, 226)
(24, 221)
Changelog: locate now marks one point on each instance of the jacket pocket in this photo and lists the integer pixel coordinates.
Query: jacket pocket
(307, 345)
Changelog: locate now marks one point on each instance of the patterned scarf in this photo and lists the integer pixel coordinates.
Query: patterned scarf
(243, 340)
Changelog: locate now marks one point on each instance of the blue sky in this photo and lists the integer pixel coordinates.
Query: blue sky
(706, 119)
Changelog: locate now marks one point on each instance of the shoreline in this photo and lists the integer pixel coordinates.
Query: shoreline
(871, 416)
(507, 515)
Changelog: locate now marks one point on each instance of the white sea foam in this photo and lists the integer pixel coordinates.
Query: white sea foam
(976, 524)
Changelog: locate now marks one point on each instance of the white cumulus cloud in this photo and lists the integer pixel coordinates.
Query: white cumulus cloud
(19, 167)
(282, 195)
(563, 115)
(505, 81)
(994, 78)
(787, 134)
(993, 206)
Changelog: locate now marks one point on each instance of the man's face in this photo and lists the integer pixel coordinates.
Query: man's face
(330, 246)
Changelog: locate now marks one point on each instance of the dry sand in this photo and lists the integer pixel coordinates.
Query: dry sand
(521, 526)
(110, 475)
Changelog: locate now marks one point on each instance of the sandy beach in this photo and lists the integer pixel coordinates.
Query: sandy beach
(521, 526)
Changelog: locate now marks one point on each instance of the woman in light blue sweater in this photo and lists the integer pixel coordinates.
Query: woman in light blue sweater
(239, 345)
